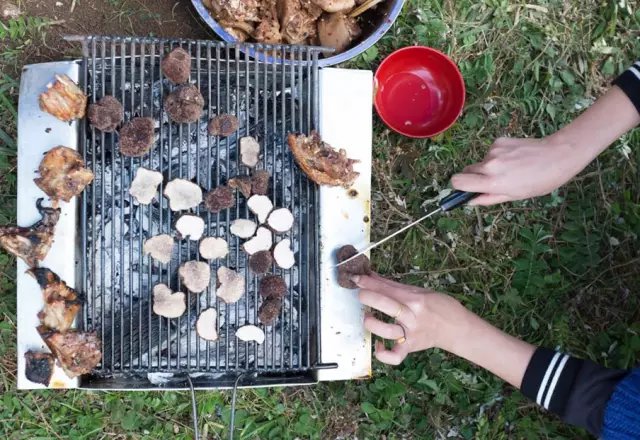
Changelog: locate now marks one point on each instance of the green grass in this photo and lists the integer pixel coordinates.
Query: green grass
(558, 271)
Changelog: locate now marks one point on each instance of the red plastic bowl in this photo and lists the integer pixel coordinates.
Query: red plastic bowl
(419, 91)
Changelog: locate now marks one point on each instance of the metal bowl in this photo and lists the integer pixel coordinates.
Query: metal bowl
(377, 23)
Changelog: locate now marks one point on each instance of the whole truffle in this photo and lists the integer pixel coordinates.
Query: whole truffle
(106, 114)
(184, 105)
(219, 198)
(269, 310)
(137, 137)
(358, 266)
(260, 182)
(260, 262)
(272, 286)
(176, 66)
(223, 125)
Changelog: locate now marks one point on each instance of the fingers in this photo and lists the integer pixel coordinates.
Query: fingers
(490, 199)
(472, 182)
(395, 356)
(381, 302)
(383, 329)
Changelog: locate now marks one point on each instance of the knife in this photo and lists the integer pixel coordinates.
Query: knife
(452, 201)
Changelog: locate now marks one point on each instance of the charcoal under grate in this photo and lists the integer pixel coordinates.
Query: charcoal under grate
(271, 99)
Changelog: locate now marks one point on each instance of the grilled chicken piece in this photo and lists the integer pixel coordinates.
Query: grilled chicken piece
(268, 31)
(64, 99)
(61, 302)
(38, 367)
(31, 243)
(234, 10)
(297, 22)
(63, 174)
(320, 162)
(77, 352)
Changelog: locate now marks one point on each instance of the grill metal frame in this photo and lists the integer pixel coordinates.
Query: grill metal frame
(270, 99)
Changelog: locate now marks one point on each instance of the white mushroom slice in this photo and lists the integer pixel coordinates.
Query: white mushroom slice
(145, 185)
(183, 194)
(213, 247)
(250, 333)
(206, 325)
(190, 226)
(249, 151)
(243, 228)
(283, 254)
(195, 275)
(261, 242)
(160, 247)
(261, 206)
(280, 220)
(166, 303)
(231, 285)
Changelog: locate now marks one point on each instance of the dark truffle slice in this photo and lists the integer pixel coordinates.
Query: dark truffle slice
(269, 310)
(219, 198)
(358, 266)
(242, 184)
(223, 125)
(106, 114)
(272, 286)
(39, 367)
(137, 137)
(184, 105)
(176, 65)
(260, 262)
(260, 182)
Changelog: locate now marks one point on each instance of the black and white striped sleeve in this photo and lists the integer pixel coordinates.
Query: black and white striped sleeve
(575, 389)
(629, 82)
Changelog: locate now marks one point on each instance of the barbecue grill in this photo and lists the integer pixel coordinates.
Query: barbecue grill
(105, 232)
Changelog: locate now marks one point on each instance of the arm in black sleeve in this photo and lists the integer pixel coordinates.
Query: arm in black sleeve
(629, 82)
(577, 390)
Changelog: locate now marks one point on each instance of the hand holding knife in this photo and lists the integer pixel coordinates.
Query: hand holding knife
(452, 201)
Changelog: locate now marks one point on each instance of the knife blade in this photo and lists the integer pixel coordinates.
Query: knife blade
(452, 201)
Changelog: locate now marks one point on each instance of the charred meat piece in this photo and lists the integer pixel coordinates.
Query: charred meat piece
(31, 243)
(219, 198)
(297, 23)
(106, 114)
(242, 184)
(260, 182)
(269, 310)
(337, 31)
(38, 367)
(137, 137)
(61, 302)
(176, 66)
(62, 174)
(358, 266)
(77, 352)
(320, 162)
(260, 262)
(223, 125)
(272, 286)
(184, 105)
(64, 99)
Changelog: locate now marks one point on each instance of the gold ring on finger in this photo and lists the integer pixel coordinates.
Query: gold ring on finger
(401, 340)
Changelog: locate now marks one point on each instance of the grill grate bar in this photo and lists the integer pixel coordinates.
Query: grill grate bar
(271, 99)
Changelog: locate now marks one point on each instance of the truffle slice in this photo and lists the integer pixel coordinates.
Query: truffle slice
(137, 137)
(260, 262)
(184, 105)
(176, 66)
(166, 303)
(145, 185)
(280, 220)
(250, 333)
(230, 285)
(106, 114)
(190, 226)
(223, 125)
(195, 275)
(243, 228)
(64, 99)
(249, 151)
(272, 286)
(260, 182)
(182, 194)
(160, 247)
(219, 198)
(261, 242)
(38, 367)
(261, 206)
(212, 248)
(358, 266)
(283, 254)
(269, 310)
(206, 325)
(242, 184)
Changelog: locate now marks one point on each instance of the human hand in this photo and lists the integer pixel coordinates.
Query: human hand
(516, 169)
(423, 318)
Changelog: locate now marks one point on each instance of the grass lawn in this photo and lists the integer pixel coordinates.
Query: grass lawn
(560, 271)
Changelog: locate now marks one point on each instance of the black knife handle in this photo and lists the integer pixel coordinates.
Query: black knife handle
(456, 199)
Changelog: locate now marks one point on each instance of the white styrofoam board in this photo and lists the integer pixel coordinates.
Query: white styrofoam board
(346, 100)
(38, 132)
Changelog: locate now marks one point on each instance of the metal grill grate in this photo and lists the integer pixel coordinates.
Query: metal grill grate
(271, 99)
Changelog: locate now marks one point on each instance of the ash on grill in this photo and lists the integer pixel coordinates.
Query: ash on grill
(269, 100)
